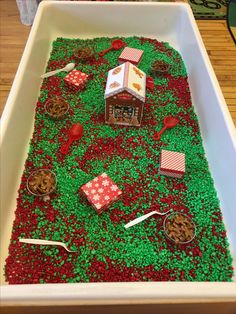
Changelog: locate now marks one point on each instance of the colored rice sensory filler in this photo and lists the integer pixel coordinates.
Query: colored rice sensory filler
(130, 157)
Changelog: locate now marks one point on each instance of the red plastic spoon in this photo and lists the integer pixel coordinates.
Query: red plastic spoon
(169, 123)
(116, 45)
(150, 83)
(75, 133)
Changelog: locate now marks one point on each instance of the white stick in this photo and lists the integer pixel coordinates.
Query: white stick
(45, 242)
(139, 219)
(51, 73)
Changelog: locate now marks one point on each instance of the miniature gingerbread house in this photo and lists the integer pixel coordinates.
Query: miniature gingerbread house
(125, 95)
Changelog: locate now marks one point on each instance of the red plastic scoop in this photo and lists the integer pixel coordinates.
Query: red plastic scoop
(169, 123)
(115, 45)
(75, 133)
(150, 83)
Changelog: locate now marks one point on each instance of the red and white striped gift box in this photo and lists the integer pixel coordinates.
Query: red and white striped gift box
(131, 54)
(101, 192)
(76, 80)
(172, 164)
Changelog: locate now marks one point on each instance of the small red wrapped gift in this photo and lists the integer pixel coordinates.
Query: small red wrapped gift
(76, 80)
(172, 164)
(101, 192)
(132, 55)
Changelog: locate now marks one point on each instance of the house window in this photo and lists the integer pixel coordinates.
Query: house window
(123, 113)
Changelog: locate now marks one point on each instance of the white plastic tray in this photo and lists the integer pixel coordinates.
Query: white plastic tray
(170, 22)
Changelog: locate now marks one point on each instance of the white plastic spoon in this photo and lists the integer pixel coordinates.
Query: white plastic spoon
(139, 219)
(67, 68)
(45, 242)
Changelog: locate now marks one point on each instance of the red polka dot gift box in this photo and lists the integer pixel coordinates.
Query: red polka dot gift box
(101, 192)
(172, 164)
(132, 55)
(76, 80)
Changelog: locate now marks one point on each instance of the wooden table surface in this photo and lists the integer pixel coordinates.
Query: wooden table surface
(217, 39)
